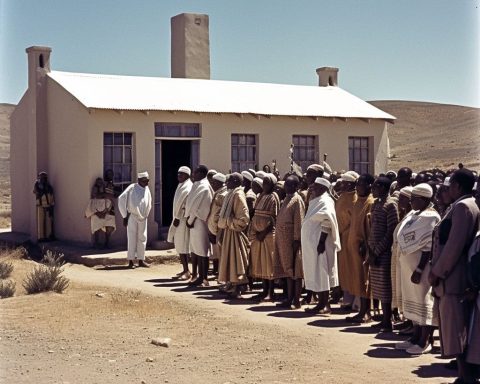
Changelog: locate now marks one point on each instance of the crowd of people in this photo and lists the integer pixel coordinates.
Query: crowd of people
(402, 248)
(399, 248)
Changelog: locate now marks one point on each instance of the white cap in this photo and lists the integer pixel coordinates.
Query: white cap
(316, 167)
(142, 175)
(258, 180)
(260, 174)
(350, 176)
(406, 191)
(185, 169)
(220, 177)
(247, 175)
(323, 181)
(271, 177)
(211, 171)
(422, 189)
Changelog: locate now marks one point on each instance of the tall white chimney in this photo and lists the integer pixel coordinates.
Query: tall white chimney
(190, 46)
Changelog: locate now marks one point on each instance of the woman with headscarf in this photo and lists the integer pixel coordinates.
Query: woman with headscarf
(414, 239)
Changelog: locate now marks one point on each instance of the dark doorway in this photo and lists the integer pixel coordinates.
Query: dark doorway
(174, 154)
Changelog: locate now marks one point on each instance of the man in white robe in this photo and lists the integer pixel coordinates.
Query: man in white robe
(134, 205)
(197, 208)
(178, 233)
(320, 244)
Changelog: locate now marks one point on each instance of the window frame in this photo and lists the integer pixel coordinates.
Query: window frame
(114, 164)
(304, 163)
(242, 165)
(360, 154)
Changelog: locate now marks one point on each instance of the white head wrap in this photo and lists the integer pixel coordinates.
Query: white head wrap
(350, 176)
(247, 175)
(423, 190)
(212, 172)
(220, 177)
(260, 174)
(185, 169)
(406, 191)
(271, 177)
(446, 182)
(142, 175)
(258, 181)
(394, 173)
(323, 181)
(316, 167)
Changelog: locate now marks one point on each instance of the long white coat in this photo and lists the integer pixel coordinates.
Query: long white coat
(320, 270)
(137, 201)
(197, 208)
(180, 235)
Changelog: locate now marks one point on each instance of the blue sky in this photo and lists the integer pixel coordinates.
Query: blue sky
(426, 50)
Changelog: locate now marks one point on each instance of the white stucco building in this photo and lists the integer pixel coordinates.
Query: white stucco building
(75, 126)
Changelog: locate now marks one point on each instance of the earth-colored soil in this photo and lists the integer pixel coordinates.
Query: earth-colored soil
(100, 331)
(427, 135)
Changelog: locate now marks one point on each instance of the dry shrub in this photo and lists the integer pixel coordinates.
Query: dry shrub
(7, 288)
(13, 253)
(6, 269)
(47, 276)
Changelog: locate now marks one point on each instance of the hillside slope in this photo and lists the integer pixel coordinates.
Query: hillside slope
(426, 135)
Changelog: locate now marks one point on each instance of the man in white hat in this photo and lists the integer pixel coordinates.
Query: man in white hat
(220, 191)
(197, 208)
(178, 233)
(134, 205)
(320, 244)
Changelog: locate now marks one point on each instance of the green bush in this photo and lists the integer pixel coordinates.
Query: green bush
(47, 276)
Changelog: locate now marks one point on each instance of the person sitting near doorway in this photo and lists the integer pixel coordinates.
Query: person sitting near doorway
(100, 211)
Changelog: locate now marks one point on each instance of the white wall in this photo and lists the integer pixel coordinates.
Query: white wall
(76, 149)
(21, 185)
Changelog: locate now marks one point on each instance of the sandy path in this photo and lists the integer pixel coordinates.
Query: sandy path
(351, 352)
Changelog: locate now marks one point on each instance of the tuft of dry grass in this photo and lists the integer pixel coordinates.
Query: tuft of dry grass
(7, 288)
(47, 276)
(6, 269)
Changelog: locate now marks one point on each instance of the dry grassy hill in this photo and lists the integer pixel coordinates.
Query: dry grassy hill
(426, 135)
(423, 136)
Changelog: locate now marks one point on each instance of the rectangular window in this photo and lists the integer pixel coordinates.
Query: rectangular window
(118, 156)
(359, 154)
(305, 150)
(244, 152)
(177, 130)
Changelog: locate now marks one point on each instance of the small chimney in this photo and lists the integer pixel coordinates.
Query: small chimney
(327, 76)
(190, 46)
(38, 64)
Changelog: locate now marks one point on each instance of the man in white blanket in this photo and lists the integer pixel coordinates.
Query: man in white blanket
(197, 208)
(178, 232)
(134, 205)
(320, 244)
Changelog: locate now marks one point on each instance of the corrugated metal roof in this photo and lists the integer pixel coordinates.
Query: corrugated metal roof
(213, 96)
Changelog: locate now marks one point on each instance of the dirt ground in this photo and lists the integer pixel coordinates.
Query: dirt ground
(100, 331)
